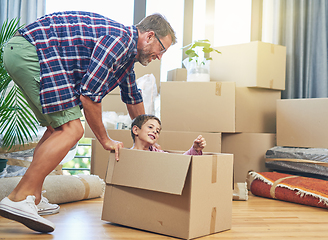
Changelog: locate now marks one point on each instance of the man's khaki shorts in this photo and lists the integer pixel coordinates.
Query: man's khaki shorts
(22, 63)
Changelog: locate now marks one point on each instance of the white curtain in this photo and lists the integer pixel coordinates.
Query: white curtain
(302, 26)
(27, 10)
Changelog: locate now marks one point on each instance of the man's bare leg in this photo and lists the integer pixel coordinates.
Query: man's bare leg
(45, 136)
(47, 156)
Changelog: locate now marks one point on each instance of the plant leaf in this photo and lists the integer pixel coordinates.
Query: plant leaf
(17, 122)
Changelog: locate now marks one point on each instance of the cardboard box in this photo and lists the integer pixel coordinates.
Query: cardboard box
(169, 193)
(217, 107)
(87, 131)
(254, 64)
(154, 67)
(99, 156)
(302, 122)
(113, 102)
(180, 141)
(178, 74)
(249, 151)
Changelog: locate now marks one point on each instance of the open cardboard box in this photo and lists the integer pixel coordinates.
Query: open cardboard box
(170, 193)
(178, 141)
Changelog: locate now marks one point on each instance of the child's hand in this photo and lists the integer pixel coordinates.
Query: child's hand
(156, 145)
(199, 143)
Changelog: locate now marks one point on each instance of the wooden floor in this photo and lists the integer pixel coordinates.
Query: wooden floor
(257, 218)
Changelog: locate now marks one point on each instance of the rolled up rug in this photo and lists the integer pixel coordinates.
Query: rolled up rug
(62, 188)
(290, 188)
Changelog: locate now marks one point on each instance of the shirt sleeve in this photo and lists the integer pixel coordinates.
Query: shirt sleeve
(192, 151)
(130, 93)
(105, 70)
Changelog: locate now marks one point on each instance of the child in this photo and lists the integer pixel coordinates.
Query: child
(145, 131)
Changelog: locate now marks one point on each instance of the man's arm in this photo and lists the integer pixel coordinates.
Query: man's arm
(135, 110)
(93, 115)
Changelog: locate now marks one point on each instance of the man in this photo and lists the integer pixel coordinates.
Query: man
(79, 58)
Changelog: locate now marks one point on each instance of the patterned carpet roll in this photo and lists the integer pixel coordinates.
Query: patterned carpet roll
(290, 188)
(61, 188)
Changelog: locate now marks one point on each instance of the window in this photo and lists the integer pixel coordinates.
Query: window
(121, 11)
(173, 11)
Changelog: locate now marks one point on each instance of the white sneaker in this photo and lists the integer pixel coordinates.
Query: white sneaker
(46, 208)
(26, 213)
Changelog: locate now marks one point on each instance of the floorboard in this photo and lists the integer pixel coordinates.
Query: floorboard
(257, 218)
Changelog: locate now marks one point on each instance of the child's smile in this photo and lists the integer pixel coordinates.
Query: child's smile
(148, 134)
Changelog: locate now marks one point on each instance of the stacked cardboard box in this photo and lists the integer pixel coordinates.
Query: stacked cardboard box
(239, 102)
(302, 123)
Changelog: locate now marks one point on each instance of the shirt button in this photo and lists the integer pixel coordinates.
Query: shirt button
(66, 105)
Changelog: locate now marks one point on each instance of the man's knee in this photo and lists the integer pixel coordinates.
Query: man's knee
(74, 128)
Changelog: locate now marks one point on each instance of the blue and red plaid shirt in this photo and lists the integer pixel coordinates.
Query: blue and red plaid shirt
(83, 53)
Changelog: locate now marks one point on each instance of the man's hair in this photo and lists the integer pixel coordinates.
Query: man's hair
(141, 120)
(157, 23)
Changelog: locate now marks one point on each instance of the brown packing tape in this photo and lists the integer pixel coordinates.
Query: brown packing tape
(271, 83)
(274, 185)
(297, 160)
(218, 89)
(214, 168)
(86, 185)
(272, 48)
(213, 220)
(110, 168)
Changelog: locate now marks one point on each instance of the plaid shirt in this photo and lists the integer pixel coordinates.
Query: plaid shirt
(83, 53)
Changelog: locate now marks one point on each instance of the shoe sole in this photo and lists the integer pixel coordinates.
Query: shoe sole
(48, 212)
(30, 223)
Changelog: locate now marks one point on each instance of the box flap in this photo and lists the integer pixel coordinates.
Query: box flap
(163, 172)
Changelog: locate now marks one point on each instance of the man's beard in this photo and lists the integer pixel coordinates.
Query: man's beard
(144, 56)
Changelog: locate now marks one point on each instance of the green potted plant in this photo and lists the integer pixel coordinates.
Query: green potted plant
(17, 122)
(3, 164)
(198, 61)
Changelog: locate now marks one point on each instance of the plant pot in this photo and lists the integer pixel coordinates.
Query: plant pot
(197, 72)
(3, 164)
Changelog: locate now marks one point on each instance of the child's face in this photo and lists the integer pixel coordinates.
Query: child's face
(149, 131)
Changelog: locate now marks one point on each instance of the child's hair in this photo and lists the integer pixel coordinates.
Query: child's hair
(141, 120)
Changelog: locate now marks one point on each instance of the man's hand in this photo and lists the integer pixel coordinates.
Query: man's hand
(199, 143)
(93, 115)
(113, 145)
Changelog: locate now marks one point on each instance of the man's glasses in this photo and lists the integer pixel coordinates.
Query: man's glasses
(164, 49)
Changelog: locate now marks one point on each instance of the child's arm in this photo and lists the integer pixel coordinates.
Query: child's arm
(197, 147)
